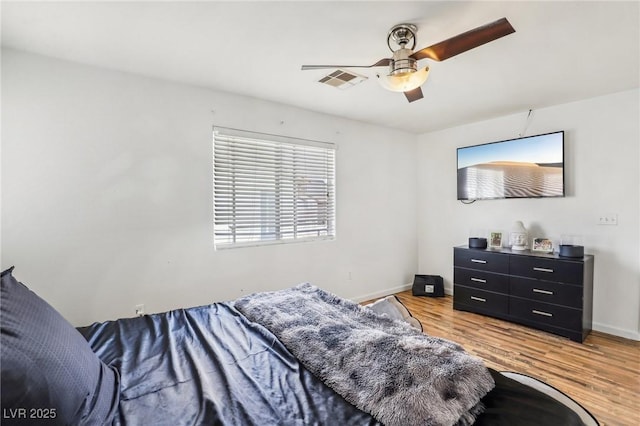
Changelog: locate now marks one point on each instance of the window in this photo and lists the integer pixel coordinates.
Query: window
(269, 188)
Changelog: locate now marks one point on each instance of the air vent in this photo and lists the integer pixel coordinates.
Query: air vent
(342, 79)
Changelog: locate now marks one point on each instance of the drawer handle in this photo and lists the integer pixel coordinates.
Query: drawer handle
(478, 261)
(478, 280)
(537, 290)
(545, 314)
(543, 269)
(478, 299)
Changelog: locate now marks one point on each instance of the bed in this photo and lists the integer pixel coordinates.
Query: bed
(299, 356)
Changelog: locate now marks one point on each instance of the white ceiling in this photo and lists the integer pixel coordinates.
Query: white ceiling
(561, 51)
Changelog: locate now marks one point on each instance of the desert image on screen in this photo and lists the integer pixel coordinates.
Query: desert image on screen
(530, 167)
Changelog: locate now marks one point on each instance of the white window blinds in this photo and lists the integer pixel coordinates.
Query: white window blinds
(271, 188)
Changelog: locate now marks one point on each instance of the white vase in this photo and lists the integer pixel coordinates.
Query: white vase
(518, 236)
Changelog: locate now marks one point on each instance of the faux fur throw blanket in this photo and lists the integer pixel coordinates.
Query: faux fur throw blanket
(382, 366)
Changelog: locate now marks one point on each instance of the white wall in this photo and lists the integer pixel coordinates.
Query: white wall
(602, 140)
(107, 194)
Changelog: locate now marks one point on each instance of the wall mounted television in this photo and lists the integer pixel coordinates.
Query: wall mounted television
(526, 167)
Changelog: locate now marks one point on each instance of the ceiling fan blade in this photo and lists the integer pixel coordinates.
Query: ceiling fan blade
(414, 95)
(380, 63)
(465, 41)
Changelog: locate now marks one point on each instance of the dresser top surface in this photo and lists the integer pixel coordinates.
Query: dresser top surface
(529, 253)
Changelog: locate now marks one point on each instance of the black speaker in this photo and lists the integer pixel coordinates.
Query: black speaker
(567, 250)
(428, 285)
(478, 243)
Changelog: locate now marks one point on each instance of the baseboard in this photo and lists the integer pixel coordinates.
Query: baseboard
(378, 294)
(627, 334)
(382, 293)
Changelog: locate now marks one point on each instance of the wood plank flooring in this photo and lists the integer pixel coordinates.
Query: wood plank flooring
(602, 374)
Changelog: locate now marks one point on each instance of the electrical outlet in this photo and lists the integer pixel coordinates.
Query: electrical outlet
(608, 219)
(140, 310)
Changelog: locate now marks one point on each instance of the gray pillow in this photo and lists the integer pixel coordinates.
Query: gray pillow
(394, 308)
(49, 374)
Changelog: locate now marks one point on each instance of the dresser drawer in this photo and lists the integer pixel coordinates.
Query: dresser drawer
(546, 269)
(481, 259)
(545, 313)
(485, 301)
(546, 291)
(481, 280)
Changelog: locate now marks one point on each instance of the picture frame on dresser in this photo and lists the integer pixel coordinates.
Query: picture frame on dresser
(543, 245)
(495, 240)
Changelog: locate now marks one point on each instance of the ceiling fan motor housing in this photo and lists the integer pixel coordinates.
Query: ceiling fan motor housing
(402, 63)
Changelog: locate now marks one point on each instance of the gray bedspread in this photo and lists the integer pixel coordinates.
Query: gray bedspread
(382, 366)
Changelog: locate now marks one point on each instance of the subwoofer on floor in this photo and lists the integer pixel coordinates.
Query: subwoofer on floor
(428, 285)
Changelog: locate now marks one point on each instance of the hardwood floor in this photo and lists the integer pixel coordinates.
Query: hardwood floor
(602, 374)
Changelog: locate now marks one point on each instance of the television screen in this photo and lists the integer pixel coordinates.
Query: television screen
(528, 167)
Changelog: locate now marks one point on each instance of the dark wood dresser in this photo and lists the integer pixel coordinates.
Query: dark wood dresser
(540, 290)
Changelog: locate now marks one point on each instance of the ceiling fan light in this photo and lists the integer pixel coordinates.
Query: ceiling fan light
(404, 82)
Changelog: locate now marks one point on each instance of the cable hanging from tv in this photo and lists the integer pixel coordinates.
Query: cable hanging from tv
(526, 123)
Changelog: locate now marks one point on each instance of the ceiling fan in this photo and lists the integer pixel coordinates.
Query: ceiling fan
(404, 75)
